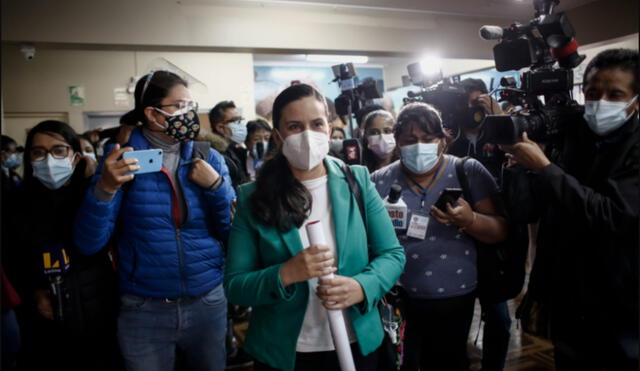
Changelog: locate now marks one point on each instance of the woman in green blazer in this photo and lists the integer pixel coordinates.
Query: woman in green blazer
(272, 268)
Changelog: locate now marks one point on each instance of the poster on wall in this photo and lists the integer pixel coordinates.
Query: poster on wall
(76, 95)
(271, 80)
(120, 97)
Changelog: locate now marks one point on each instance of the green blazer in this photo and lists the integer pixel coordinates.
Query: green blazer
(256, 252)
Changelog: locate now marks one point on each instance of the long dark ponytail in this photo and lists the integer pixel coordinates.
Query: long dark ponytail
(150, 90)
(280, 200)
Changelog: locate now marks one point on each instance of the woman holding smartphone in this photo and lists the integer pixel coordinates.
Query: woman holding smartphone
(168, 228)
(440, 276)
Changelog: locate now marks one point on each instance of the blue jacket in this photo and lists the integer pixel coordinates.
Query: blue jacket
(157, 257)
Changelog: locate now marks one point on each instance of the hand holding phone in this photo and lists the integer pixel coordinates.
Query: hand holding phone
(117, 170)
(448, 196)
(150, 161)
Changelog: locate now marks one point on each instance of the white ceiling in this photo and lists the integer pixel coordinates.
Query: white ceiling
(516, 9)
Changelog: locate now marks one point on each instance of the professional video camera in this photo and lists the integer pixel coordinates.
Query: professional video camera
(547, 39)
(447, 95)
(355, 95)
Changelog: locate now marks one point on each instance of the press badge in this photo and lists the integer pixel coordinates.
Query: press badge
(418, 226)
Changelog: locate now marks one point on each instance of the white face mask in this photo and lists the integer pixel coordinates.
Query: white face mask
(306, 150)
(335, 145)
(382, 145)
(604, 117)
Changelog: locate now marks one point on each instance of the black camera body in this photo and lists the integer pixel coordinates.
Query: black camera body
(549, 38)
(449, 97)
(355, 94)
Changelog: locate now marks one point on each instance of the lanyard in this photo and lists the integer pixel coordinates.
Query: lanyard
(425, 189)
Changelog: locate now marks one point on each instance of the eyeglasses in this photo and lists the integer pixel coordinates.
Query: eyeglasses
(58, 152)
(181, 107)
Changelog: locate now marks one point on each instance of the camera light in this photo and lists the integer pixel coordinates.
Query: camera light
(358, 59)
(431, 65)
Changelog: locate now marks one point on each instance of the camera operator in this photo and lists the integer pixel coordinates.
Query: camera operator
(586, 269)
(472, 142)
(168, 228)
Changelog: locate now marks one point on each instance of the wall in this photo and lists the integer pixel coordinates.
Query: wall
(40, 85)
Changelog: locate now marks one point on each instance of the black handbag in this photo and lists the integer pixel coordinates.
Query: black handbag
(501, 266)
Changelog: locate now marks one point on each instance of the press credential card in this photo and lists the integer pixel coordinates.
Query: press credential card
(418, 226)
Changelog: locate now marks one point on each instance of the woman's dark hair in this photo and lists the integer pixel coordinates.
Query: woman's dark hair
(424, 115)
(470, 85)
(7, 142)
(87, 137)
(280, 200)
(335, 128)
(150, 90)
(56, 129)
(364, 111)
(371, 161)
(257, 124)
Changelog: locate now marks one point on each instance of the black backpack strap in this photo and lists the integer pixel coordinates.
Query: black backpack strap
(462, 178)
(201, 150)
(354, 187)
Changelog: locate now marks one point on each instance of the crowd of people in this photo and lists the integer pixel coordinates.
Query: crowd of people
(107, 267)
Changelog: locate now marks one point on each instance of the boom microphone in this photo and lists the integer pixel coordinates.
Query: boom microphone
(488, 32)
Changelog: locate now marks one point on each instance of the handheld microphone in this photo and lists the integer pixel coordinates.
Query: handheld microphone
(55, 262)
(352, 152)
(396, 207)
(489, 32)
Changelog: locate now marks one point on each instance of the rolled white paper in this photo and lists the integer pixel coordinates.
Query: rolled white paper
(336, 320)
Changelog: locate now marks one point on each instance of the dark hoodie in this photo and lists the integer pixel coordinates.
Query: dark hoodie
(43, 216)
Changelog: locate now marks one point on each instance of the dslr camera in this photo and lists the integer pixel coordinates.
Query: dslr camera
(547, 47)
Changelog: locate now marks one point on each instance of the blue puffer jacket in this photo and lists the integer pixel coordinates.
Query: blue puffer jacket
(157, 257)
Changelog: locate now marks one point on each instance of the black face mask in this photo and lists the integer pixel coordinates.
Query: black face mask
(183, 127)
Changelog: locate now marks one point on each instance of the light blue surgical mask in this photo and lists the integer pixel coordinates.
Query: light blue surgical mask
(53, 172)
(13, 161)
(604, 117)
(419, 158)
(90, 154)
(238, 131)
